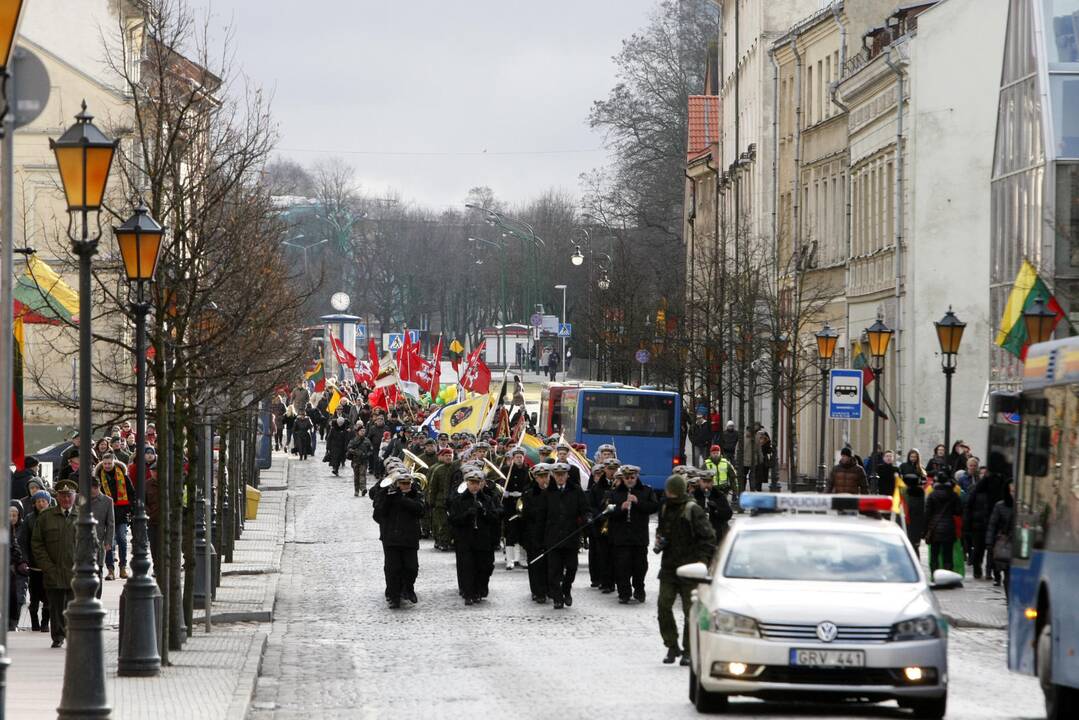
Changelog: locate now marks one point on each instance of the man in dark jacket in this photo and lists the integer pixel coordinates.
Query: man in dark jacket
(20, 477)
(398, 512)
(337, 439)
(564, 511)
(728, 441)
(715, 504)
(600, 559)
(474, 517)
(533, 530)
(848, 476)
(359, 454)
(628, 533)
(53, 547)
(978, 508)
(684, 536)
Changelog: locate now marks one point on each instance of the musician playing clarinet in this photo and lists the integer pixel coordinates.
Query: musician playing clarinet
(475, 519)
(628, 533)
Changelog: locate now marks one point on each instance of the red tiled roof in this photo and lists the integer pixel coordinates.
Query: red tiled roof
(703, 124)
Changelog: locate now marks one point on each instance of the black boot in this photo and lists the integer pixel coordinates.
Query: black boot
(35, 624)
(673, 653)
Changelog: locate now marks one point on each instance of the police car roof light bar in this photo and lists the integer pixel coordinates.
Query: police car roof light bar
(811, 502)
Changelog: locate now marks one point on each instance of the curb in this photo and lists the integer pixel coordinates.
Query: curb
(958, 622)
(245, 686)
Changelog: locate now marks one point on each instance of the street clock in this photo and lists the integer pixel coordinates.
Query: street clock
(340, 301)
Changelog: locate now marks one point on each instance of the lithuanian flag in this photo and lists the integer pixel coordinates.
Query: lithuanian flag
(316, 377)
(335, 400)
(41, 297)
(1027, 288)
(532, 447)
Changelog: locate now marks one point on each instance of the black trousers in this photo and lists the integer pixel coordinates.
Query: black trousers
(978, 555)
(511, 529)
(58, 600)
(630, 567)
(474, 568)
(600, 565)
(537, 572)
(561, 569)
(401, 566)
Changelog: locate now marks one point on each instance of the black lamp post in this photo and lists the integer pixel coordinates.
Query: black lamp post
(780, 349)
(827, 338)
(879, 337)
(1040, 322)
(139, 239)
(84, 157)
(949, 335)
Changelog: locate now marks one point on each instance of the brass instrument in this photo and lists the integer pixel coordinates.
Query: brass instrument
(413, 460)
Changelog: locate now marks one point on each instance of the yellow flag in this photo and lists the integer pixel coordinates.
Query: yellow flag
(465, 417)
(335, 400)
(456, 347)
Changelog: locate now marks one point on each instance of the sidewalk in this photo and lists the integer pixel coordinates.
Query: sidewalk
(214, 675)
(978, 604)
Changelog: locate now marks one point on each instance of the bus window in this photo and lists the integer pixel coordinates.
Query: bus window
(628, 414)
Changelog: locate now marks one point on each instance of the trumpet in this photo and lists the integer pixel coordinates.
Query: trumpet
(413, 460)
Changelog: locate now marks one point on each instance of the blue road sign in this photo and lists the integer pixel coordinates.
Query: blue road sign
(845, 394)
(537, 320)
(361, 331)
(395, 341)
(643, 356)
(565, 329)
(413, 336)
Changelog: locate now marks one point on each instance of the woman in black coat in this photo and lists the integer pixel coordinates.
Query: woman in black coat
(18, 568)
(303, 435)
(337, 440)
(998, 538)
(941, 509)
(913, 475)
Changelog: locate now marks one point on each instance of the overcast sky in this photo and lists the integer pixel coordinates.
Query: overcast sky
(429, 98)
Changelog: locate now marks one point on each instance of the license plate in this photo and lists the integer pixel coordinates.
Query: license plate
(827, 658)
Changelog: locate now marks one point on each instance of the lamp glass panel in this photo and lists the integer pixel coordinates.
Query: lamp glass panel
(140, 254)
(69, 160)
(878, 342)
(9, 20)
(98, 162)
(949, 336)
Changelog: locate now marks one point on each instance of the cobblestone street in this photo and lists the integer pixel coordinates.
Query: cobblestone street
(336, 651)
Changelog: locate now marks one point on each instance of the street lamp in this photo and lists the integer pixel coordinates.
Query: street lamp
(1040, 322)
(879, 336)
(826, 342)
(604, 282)
(578, 257)
(84, 157)
(139, 239)
(563, 289)
(949, 335)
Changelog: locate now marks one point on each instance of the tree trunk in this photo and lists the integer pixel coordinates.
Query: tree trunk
(190, 487)
(177, 628)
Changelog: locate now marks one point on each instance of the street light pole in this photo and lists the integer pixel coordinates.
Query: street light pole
(879, 336)
(140, 244)
(826, 342)
(84, 157)
(563, 289)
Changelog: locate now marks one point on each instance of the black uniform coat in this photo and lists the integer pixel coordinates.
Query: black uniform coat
(717, 506)
(337, 443)
(398, 515)
(631, 528)
(532, 532)
(562, 511)
(475, 520)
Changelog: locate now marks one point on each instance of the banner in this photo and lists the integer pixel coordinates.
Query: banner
(344, 357)
(465, 417)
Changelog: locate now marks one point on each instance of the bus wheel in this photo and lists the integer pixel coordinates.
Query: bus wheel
(1061, 703)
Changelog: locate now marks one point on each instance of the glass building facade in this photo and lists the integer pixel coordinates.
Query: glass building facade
(1035, 185)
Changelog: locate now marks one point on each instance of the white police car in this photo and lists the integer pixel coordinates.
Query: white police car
(811, 598)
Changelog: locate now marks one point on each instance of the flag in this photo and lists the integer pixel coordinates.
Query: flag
(466, 416)
(372, 356)
(576, 459)
(18, 439)
(363, 374)
(41, 297)
(344, 357)
(533, 447)
(387, 373)
(476, 376)
(335, 400)
(1027, 288)
(436, 379)
(868, 376)
(498, 418)
(316, 377)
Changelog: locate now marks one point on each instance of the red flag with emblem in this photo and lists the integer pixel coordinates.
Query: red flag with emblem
(476, 376)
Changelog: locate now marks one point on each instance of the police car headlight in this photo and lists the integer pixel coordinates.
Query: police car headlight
(916, 629)
(728, 623)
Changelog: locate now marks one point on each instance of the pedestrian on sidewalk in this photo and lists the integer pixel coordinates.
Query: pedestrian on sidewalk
(700, 436)
(848, 476)
(101, 507)
(942, 507)
(914, 477)
(474, 517)
(277, 413)
(116, 483)
(289, 420)
(977, 509)
(998, 537)
(19, 568)
(337, 440)
(552, 364)
(302, 433)
(684, 536)
(398, 511)
(53, 545)
(38, 599)
(938, 462)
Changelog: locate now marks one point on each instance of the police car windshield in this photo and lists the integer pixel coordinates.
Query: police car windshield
(818, 556)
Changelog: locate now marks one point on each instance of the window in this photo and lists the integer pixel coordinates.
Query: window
(828, 75)
(890, 201)
(821, 556)
(1065, 98)
(628, 414)
(1061, 31)
(808, 94)
(820, 95)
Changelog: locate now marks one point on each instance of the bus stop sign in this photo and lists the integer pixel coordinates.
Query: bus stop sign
(845, 394)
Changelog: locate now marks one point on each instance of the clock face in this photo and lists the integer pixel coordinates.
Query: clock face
(339, 300)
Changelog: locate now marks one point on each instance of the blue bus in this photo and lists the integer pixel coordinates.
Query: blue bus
(643, 425)
(1034, 437)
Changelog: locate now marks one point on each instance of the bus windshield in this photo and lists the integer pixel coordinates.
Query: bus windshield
(627, 414)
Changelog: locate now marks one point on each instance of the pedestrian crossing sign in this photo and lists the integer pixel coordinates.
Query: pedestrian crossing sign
(396, 341)
(565, 329)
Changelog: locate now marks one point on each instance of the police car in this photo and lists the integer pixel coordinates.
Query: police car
(818, 597)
